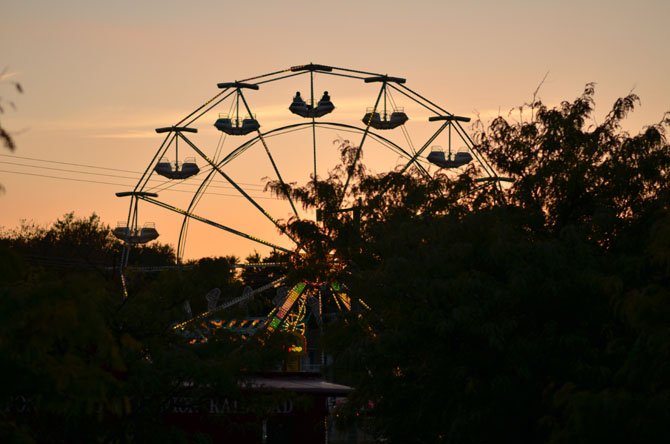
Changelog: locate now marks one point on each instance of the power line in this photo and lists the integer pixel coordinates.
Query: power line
(65, 170)
(68, 163)
(109, 175)
(63, 178)
(92, 166)
(124, 185)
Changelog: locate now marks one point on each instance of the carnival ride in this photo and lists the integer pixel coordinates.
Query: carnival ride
(291, 142)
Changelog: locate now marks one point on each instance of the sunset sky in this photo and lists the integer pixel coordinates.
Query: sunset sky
(100, 76)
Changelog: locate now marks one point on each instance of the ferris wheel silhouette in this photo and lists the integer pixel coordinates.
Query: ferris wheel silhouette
(291, 144)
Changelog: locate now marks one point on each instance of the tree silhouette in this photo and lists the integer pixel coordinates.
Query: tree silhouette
(5, 136)
(545, 319)
(79, 365)
(574, 173)
(84, 242)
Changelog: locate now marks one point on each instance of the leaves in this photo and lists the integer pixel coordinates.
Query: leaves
(600, 178)
(5, 136)
(542, 320)
(89, 367)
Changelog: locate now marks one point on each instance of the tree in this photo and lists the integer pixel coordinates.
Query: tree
(5, 136)
(84, 242)
(572, 173)
(62, 362)
(545, 319)
(80, 365)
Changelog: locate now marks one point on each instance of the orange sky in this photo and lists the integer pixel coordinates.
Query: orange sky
(99, 77)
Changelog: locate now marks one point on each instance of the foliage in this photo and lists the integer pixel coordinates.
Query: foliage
(542, 320)
(86, 242)
(594, 176)
(350, 205)
(5, 136)
(81, 365)
(62, 364)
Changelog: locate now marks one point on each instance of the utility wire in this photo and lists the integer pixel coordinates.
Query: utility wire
(91, 166)
(123, 185)
(173, 183)
(68, 163)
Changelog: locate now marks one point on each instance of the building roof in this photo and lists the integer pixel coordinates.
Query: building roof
(308, 383)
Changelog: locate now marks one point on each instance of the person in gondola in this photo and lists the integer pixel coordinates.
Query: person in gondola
(297, 100)
(325, 98)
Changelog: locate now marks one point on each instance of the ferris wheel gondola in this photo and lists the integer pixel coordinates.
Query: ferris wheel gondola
(176, 170)
(446, 160)
(385, 119)
(129, 231)
(237, 124)
(304, 109)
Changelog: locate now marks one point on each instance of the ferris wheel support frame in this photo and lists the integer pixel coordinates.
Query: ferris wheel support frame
(274, 164)
(323, 286)
(217, 168)
(230, 88)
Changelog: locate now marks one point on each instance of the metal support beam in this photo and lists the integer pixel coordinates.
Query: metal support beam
(350, 169)
(238, 188)
(423, 148)
(274, 165)
(214, 224)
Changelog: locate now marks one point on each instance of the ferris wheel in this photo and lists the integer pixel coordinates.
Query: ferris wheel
(282, 127)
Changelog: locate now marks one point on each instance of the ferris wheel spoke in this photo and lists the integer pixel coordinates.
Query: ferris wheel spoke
(314, 147)
(239, 150)
(414, 99)
(352, 167)
(239, 189)
(357, 71)
(349, 76)
(425, 100)
(214, 224)
(425, 145)
(482, 160)
(253, 141)
(181, 246)
(270, 74)
(311, 91)
(144, 179)
(209, 105)
(399, 150)
(478, 155)
(274, 164)
(281, 77)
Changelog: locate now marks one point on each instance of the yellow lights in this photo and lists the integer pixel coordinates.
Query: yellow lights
(299, 347)
(295, 349)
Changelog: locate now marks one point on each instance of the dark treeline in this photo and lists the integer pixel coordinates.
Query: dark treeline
(73, 242)
(539, 314)
(539, 317)
(80, 364)
(545, 318)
